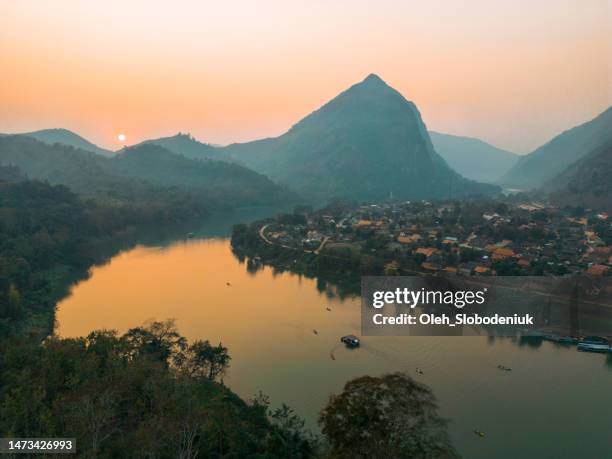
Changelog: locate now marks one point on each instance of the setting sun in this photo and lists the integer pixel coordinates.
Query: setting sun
(121, 137)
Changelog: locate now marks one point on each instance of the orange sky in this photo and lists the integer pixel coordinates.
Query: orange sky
(513, 73)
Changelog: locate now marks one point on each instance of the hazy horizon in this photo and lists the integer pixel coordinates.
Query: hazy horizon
(513, 74)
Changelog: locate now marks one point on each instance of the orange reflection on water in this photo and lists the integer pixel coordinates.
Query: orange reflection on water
(268, 324)
(189, 282)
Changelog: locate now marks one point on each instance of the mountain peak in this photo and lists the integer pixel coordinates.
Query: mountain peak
(66, 137)
(363, 143)
(373, 79)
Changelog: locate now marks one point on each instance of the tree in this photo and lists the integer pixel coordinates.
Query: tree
(160, 340)
(389, 416)
(202, 359)
(119, 400)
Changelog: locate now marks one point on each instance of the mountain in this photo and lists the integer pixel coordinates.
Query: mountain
(546, 162)
(186, 145)
(472, 157)
(66, 137)
(366, 143)
(223, 181)
(85, 172)
(10, 174)
(587, 182)
(140, 173)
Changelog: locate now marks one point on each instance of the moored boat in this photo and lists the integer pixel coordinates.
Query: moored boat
(594, 344)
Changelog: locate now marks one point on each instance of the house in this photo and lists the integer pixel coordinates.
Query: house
(490, 217)
(524, 263)
(392, 268)
(501, 253)
(429, 266)
(598, 270)
(482, 270)
(402, 238)
(427, 251)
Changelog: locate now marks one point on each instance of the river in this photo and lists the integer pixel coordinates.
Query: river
(556, 402)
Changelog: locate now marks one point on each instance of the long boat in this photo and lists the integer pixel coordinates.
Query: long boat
(594, 344)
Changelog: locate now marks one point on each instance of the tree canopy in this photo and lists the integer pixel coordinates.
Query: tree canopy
(127, 396)
(387, 416)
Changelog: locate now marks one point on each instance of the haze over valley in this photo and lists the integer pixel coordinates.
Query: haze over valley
(367, 143)
(199, 200)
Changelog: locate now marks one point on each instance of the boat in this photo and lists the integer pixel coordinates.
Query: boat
(594, 344)
(560, 339)
(568, 340)
(350, 341)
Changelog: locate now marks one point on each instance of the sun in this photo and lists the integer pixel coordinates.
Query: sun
(121, 137)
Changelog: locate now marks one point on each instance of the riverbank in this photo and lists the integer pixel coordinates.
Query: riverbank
(266, 318)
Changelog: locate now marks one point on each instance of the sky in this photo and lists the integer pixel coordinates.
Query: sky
(513, 73)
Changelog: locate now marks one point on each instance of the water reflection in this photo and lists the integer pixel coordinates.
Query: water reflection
(553, 402)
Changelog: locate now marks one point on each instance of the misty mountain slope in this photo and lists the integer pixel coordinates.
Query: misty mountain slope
(186, 145)
(219, 179)
(85, 172)
(366, 143)
(547, 161)
(473, 158)
(10, 174)
(66, 137)
(139, 172)
(587, 182)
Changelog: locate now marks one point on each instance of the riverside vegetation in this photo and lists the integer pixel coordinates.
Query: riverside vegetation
(147, 393)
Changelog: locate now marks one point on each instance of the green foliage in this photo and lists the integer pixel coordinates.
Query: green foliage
(47, 234)
(123, 396)
(390, 416)
(146, 176)
(186, 145)
(218, 182)
(508, 268)
(204, 360)
(587, 182)
(328, 268)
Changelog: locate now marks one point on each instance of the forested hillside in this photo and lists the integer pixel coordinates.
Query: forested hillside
(187, 145)
(369, 143)
(146, 174)
(69, 138)
(147, 393)
(587, 182)
(219, 181)
(552, 158)
(48, 235)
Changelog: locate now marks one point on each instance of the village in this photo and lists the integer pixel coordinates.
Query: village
(474, 238)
